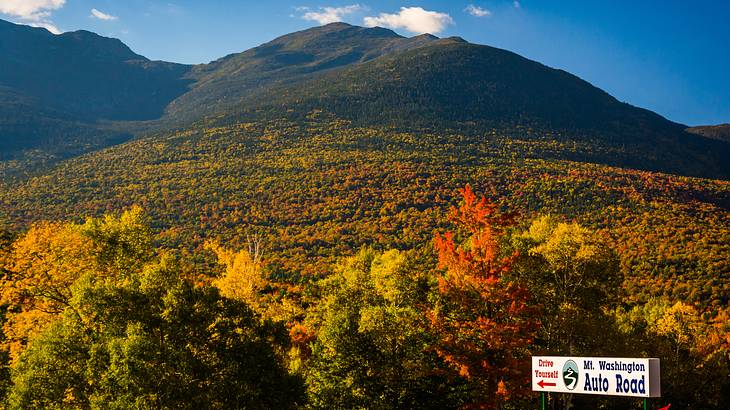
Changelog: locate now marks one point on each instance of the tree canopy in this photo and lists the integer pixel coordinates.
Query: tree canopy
(126, 329)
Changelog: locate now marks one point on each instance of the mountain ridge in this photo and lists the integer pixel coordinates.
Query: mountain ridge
(59, 90)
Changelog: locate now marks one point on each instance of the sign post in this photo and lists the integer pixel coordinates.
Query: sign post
(596, 375)
(542, 396)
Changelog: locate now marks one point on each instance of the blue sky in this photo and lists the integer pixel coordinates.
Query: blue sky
(672, 57)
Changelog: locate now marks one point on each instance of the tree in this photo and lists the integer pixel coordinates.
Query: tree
(243, 278)
(45, 263)
(484, 322)
(694, 354)
(575, 275)
(156, 341)
(371, 339)
(6, 240)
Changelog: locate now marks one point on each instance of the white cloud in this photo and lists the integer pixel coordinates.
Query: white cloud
(33, 12)
(477, 11)
(327, 15)
(414, 19)
(102, 16)
(30, 9)
(46, 25)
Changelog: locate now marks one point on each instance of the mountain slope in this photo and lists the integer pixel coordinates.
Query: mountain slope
(450, 83)
(27, 123)
(316, 190)
(452, 80)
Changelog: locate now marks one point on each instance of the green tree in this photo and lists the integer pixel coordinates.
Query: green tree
(574, 275)
(694, 354)
(371, 347)
(136, 334)
(46, 261)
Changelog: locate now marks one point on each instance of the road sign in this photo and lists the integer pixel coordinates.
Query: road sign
(597, 375)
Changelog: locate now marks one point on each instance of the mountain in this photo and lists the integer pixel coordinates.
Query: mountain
(229, 81)
(450, 80)
(87, 75)
(81, 89)
(452, 84)
(55, 89)
(719, 132)
(60, 86)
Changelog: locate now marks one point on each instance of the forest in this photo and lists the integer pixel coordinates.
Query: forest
(323, 189)
(104, 313)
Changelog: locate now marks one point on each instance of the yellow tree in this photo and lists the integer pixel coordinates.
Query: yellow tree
(676, 333)
(682, 324)
(574, 273)
(44, 264)
(243, 277)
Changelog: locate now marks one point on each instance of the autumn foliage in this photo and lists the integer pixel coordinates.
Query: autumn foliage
(484, 322)
(108, 314)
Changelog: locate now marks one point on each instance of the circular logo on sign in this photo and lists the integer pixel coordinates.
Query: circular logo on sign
(570, 374)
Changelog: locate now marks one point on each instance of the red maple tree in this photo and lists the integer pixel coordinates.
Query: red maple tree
(484, 322)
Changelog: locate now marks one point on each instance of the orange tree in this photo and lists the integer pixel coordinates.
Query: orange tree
(484, 322)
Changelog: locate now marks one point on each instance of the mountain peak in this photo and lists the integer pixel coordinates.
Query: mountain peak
(334, 32)
(19, 41)
(80, 75)
(8, 27)
(426, 36)
(337, 24)
(92, 44)
(81, 34)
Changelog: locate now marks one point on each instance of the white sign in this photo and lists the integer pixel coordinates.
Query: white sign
(597, 375)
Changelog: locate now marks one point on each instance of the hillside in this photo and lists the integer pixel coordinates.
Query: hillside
(450, 83)
(227, 82)
(320, 189)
